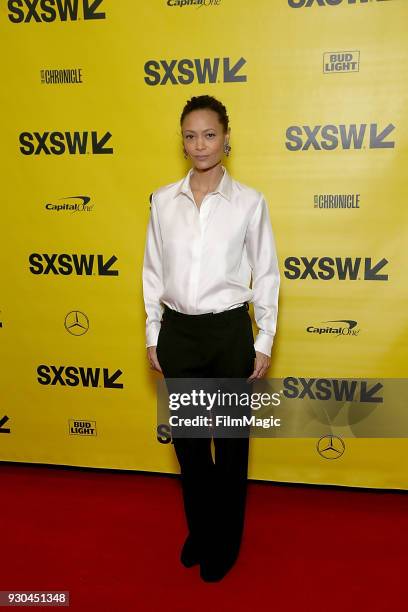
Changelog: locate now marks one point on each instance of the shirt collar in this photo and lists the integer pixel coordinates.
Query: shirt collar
(224, 187)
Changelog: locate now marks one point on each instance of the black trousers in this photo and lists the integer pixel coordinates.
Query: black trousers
(214, 493)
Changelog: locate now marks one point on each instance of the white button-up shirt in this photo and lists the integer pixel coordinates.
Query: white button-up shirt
(200, 260)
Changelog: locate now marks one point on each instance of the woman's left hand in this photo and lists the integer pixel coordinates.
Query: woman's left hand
(262, 363)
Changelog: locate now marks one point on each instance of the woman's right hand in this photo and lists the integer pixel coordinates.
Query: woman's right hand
(152, 357)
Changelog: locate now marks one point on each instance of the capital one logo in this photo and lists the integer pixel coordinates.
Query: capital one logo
(60, 143)
(186, 71)
(329, 137)
(66, 264)
(24, 11)
(309, 3)
(341, 268)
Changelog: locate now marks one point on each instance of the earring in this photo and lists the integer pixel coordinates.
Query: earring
(227, 149)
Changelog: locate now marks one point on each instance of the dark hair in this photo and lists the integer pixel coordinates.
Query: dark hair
(206, 102)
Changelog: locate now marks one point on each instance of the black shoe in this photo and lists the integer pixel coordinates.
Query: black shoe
(189, 553)
(215, 570)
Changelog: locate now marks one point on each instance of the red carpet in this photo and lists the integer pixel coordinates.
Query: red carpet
(112, 539)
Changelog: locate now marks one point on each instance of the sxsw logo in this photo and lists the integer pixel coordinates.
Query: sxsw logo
(325, 389)
(58, 143)
(309, 3)
(340, 268)
(3, 421)
(78, 376)
(24, 11)
(329, 137)
(66, 264)
(187, 71)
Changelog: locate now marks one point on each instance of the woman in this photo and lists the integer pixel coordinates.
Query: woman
(208, 234)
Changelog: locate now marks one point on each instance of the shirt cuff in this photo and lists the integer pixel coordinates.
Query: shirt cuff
(263, 343)
(152, 334)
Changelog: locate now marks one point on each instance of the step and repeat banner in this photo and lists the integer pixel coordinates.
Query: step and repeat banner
(92, 92)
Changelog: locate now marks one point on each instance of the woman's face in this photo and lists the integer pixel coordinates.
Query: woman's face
(204, 138)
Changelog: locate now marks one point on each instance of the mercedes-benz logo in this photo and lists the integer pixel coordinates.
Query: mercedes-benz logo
(76, 323)
(330, 447)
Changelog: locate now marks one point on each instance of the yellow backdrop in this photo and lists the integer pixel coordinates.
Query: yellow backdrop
(91, 97)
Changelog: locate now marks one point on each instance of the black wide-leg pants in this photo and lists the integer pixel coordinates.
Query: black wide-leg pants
(214, 492)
